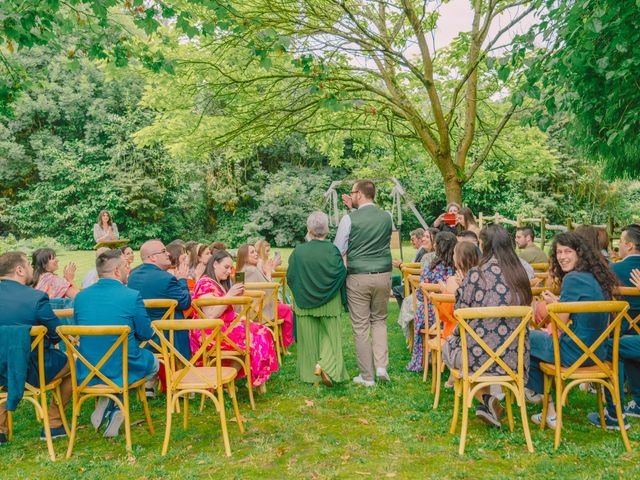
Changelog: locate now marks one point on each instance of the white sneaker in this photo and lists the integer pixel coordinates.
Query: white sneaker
(361, 381)
(551, 421)
(383, 375)
(115, 421)
(102, 411)
(150, 388)
(532, 397)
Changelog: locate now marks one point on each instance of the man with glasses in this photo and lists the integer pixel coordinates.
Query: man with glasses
(363, 238)
(152, 280)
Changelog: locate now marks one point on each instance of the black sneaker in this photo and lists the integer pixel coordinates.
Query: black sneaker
(611, 423)
(3, 438)
(483, 413)
(58, 432)
(632, 409)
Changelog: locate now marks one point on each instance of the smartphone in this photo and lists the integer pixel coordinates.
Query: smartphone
(239, 277)
(450, 219)
(277, 255)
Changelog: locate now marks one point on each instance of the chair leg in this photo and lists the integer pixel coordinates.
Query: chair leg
(545, 401)
(616, 400)
(465, 418)
(437, 379)
(425, 358)
(47, 426)
(558, 412)
(63, 415)
(276, 339)
(127, 420)
(10, 425)
(525, 419)
(600, 407)
(75, 413)
(185, 407)
(508, 400)
(145, 406)
(456, 405)
(247, 371)
(167, 429)
(234, 401)
(202, 400)
(223, 422)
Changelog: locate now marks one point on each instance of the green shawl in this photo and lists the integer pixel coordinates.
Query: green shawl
(316, 273)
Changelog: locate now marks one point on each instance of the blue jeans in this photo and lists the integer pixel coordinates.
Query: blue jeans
(541, 351)
(154, 369)
(629, 363)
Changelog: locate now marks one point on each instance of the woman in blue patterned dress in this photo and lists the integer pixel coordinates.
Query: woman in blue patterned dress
(441, 268)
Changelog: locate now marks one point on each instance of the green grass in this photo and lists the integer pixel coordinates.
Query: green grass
(302, 431)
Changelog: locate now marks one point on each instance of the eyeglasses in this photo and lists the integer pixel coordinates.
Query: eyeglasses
(164, 250)
(355, 191)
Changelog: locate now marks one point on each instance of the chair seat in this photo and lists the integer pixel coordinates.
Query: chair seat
(194, 380)
(435, 343)
(484, 378)
(49, 386)
(103, 388)
(593, 371)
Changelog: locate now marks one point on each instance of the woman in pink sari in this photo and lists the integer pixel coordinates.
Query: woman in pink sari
(215, 283)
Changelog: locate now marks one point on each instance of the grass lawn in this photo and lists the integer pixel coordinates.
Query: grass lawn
(302, 431)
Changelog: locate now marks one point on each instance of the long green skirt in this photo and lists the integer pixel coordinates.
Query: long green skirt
(319, 341)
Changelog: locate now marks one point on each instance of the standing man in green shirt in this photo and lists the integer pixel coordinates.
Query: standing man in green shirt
(527, 250)
(363, 238)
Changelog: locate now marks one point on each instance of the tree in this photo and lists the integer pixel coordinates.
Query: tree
(589, 76)
(345, 65)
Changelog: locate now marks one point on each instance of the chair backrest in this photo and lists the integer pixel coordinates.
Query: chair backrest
(211, 334)
(270, 300)
(439, 300)
(72, 337)
(37, 334)
(540, 267)
(611, 307)
(169, 314)
(244, 302)
(64, 313)
(464, 315)
(618, 292)
(410, 278)
(280, 276)
(256, 312)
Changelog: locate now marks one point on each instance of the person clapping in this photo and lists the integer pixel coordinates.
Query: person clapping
(105, 230)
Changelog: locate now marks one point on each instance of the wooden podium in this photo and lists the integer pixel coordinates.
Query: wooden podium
(112, 244)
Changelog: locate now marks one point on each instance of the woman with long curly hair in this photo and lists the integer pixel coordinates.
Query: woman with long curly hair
(439, 270)
(584, 275)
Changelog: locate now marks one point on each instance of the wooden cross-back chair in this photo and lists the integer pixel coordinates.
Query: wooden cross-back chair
(240, 354)
(536, 293)
(64, 314)
(270, 304)
(280, 276)
(411, 278)
(202, 374)
(407, 269)
(72, 337)
(468, 383)
(426, 289)
(633, 324)
(169, 314)
(37, 395)
(540, 267)
(601, 372)
(436, 340)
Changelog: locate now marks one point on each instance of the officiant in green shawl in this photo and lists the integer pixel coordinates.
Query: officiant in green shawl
(316, 276)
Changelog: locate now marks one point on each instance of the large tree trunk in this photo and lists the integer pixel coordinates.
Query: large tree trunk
(453, 189)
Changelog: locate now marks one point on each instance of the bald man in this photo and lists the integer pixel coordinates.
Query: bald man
(152, 280)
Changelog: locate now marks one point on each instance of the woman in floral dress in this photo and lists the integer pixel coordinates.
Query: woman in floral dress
(215, 283)
(441, 268)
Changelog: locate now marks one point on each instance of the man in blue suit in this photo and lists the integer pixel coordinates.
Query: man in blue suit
(22, 305)
(629, 250)
(110, 302)
(152, 280)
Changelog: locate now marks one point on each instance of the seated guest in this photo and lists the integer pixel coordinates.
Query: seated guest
(468, 236)
(216, 283)
(499, 280)
(428, 243)
(198, 259)
(22, 305)
(453, 209)
(105, 230)
(467, 221)
(465, 257)
(178, 257)
(416, 239)
(127, 251)
(590, 235)
(215, 246)
(266, 263)
(584, 276)
(629, 252)
(441, 268)
(153, 280)
(316, 276)
(247, 262)
(45, 264)
(110, 302)
(92, 275)
(527, 249)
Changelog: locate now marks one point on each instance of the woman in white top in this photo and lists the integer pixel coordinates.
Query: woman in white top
(105, 230)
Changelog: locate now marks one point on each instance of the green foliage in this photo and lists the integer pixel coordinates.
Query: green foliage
(28, 246)
(589, 73)
(285, 203)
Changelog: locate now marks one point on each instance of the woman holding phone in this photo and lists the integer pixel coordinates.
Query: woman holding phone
(449, 221)
(247, 265)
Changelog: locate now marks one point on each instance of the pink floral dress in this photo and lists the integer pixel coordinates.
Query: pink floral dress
(263, 352)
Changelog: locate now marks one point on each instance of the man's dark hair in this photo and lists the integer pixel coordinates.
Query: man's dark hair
(9, 261)
(367, 188)
(106, 262)
(468, 234)
(527, 232)
(633, 234)
(418, 233)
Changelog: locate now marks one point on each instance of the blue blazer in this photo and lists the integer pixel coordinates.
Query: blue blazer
(22, 305)
(622, 269)
(153, 282)
(109, 302)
